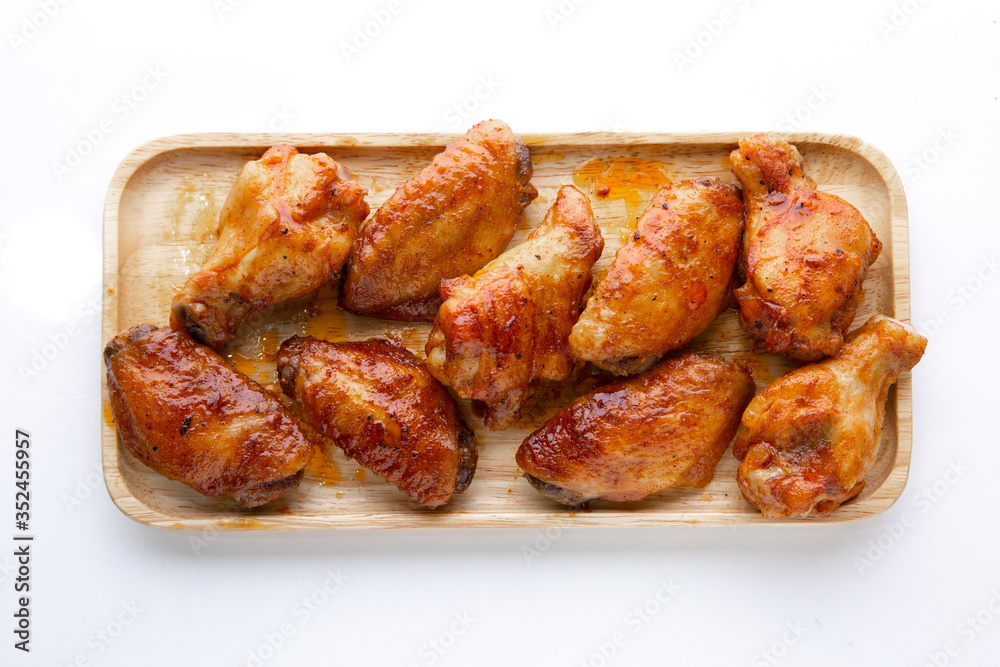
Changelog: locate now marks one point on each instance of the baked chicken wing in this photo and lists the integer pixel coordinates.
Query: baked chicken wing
(181, 410)
(812, 435)
(285, 230)
(624, 441)
(668, 282)
(501, 330)
(449, 220)
(805, 254)
(377, 402)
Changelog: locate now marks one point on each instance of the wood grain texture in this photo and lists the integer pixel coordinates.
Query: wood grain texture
(159, 221)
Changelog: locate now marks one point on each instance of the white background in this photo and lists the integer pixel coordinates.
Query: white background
(917, 80)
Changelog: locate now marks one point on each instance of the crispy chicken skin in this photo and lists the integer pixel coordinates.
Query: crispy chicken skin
(805, 254)
(449, 220)
(181, 410)
(626, 440)
(812, 435)
(668, 282)
(285, 230)
(501, 330)
(377, 401)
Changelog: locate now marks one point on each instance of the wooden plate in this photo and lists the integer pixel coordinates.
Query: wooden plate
(159, 222)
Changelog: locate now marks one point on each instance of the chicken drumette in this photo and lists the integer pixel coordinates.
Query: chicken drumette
(805, 254)
(812, 435)
(285, 230)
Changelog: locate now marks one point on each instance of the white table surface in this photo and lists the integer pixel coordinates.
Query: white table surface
(917, 80)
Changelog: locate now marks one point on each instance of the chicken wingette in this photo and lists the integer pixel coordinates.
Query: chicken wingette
(668, 282)
(449, 220)
(181, 410)
(377, 401)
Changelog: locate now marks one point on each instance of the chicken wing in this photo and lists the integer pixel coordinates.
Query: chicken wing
(805, 254)
(284, 231)
(501, 330)
(181, 410)
(668, 282)
(624, 441)
(377, 402)
(449, 220)
(813, 434)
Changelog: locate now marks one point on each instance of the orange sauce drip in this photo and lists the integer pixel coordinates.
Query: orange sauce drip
(757, 365)
(243, 364)
(632, 180)
(360, 474)
(251, 359)
(109, 418)
(328, 322)
(322, 469)
(547, 157)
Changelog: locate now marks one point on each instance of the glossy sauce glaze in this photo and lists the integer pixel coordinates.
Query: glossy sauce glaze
(181, 410)
(377, 402)
(628, 439)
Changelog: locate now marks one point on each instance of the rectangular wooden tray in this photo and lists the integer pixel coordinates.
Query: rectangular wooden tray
(159, 222)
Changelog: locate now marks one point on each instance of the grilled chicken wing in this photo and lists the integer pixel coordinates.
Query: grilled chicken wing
(813, 434)
(449, 220)
(377, 402)
(624, 441)
(668, 282)
(805, 254)
(285, 230)
(181, 410)
(501, 330)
